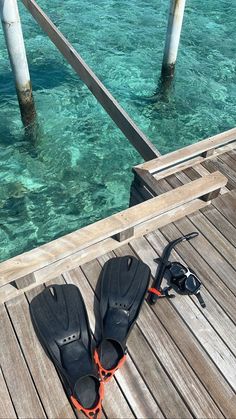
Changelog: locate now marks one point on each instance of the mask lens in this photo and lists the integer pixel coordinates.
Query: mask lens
(192, 284)
(177, 270)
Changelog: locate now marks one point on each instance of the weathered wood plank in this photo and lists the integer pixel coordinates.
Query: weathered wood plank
(115, 403)
(37, 258)
(120, 117)
(226, 249)
(228, 160)
(148, 366)
(216, 316)
(232, 153)
(20, 385)
(25, 281)
(6, 407)
(190, 347)
(192, 162)
(190, 151)
(48, 384)
(201, 328)
(226, 205)
(208, 277)
(209, 253)
(221, 223)
(177, 368)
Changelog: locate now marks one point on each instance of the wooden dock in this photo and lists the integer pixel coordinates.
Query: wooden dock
(182, 358)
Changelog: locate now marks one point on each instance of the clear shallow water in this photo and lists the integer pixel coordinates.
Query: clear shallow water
(80, 169)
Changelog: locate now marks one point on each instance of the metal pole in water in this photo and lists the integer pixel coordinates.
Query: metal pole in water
(16, 49)
(176, 14)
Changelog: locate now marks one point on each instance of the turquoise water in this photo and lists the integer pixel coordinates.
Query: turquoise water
(80, 168)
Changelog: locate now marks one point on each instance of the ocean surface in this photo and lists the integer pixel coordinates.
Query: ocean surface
(79, 169)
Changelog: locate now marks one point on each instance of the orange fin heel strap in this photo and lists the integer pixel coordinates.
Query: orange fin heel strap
(106, 375)
(155, 291)
(94, 413)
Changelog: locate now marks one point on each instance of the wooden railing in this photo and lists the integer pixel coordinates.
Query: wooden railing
(118, 228)
(188, 156)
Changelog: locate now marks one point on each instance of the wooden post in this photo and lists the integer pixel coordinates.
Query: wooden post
(16, 49)
(176, 14)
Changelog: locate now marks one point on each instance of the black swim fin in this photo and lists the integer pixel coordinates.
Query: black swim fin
(124, 283)
(61, 323)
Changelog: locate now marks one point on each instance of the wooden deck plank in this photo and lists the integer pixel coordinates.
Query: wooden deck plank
(222, 267)
(149, 367)
(208, 252)
(19, 382)
(213, 235)
(210, 280)
(48, 384)
(173, 361)
(216, 316)
(192, 350)
(6, 407)
(221, 223)
(199, 325)
(232, 154)
(228, 160)
(226, 205)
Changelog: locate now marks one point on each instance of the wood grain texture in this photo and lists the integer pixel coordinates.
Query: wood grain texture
(196, 321)
(35, 259)
(6, 407)
(210, 254)
(48, 384)
(226, 205)
(191, 151)
(193, 352)
(221, 223)
(19, 382)
(216, 316)
(213, 235)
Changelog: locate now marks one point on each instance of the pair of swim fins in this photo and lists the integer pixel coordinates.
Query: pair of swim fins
(61, 323)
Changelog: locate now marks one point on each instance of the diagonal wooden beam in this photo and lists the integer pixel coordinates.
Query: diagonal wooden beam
(137, 138)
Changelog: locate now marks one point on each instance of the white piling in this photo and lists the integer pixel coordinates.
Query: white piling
(16, 49)
(176, 14)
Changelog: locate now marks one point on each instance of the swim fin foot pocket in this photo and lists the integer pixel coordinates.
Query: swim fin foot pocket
(124, 283)
(61, 323)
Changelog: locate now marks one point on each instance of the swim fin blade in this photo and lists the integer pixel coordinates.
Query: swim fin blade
(61, 323)
(124, 283)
